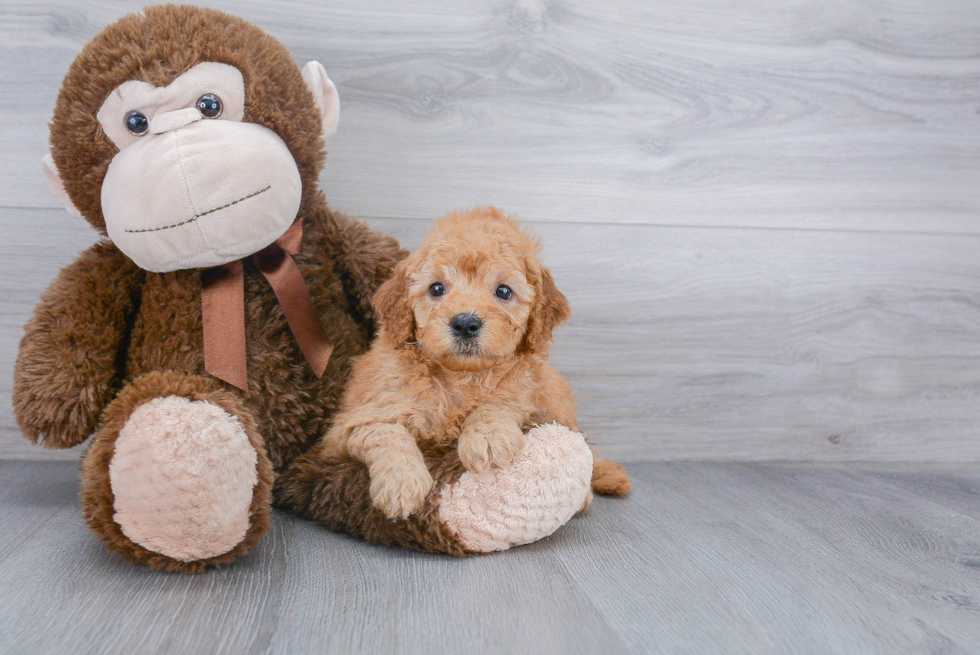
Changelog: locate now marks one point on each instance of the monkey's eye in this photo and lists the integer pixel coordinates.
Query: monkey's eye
(137, 123)
(503, 292)
(209, 105)
(437, 290)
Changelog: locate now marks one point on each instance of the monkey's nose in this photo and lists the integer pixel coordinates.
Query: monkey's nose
(466, 326)
(173, 120)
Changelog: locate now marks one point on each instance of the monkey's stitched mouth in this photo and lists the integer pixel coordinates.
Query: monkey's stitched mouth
(197, 216)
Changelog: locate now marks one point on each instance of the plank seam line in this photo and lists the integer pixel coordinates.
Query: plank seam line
(675, 226)
(760, 228)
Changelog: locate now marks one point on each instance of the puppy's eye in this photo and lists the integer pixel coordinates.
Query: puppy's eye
(437, 290)
(503, 292)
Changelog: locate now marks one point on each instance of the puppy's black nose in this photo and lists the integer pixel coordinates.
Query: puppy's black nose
(466, 326)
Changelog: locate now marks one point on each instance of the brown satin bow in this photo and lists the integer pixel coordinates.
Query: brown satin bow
(223, 309)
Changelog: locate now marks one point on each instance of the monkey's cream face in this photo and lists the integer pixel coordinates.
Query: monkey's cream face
(192, 185)
(471, 307)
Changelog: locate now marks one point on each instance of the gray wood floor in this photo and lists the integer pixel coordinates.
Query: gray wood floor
(701, 558)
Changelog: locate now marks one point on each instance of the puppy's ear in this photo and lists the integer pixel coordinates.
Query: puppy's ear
(550, 310)
(392, 306)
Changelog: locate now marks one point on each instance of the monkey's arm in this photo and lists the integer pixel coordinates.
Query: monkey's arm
(367, 259)
(68, 363)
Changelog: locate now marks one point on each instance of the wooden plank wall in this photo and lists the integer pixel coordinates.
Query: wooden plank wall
(764, 213)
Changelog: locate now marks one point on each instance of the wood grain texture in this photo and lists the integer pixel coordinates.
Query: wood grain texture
(847, 115)
(700, 558)
(702, 343)
(864, 560)
(765, 214)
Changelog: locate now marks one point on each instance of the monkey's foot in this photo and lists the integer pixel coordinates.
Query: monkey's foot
(176, 481)
(182, 478)
(530, 498)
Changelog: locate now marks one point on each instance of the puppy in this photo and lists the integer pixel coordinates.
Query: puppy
(461, 356)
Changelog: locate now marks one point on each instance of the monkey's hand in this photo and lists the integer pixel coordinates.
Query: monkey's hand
(67, 365)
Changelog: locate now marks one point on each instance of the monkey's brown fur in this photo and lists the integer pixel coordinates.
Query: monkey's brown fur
(334, 492)
(106, 329)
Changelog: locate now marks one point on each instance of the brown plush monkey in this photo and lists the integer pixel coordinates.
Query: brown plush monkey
(206, 344)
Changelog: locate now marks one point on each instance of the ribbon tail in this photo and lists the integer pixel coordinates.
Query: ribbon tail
(279, 268)
(223, 313)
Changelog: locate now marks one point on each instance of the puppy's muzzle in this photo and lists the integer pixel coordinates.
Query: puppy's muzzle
(466, 327)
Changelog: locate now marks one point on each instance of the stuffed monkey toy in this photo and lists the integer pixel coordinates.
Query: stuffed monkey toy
(205, 340)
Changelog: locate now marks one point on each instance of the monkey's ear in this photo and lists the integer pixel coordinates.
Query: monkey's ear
(324, 95)
(53, 179)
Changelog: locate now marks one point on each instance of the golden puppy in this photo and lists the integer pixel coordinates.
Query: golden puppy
(461, 354)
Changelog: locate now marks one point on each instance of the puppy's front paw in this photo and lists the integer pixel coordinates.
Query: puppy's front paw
(399, 490)
(485, 445)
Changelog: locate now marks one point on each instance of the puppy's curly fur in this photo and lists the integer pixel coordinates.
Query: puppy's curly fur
(461, 355)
